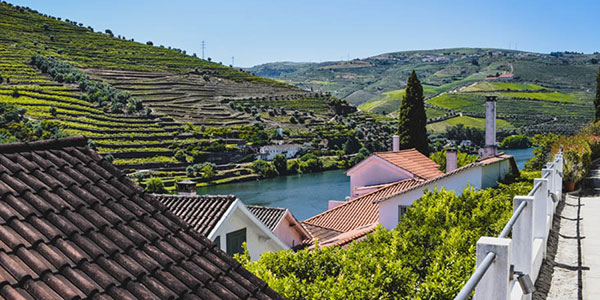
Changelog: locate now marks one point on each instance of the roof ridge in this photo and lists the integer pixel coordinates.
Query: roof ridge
(59, 143)
(229, 196)
(269, 207)
(403, 150)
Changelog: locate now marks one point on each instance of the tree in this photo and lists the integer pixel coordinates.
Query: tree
(149, 43)
(352, 145)
(280, 163)
(411, 118)
(155, 185)
(597, 100)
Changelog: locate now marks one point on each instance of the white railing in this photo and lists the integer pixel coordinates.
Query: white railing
(507, 267)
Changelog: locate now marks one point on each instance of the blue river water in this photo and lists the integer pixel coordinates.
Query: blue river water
(307, 194)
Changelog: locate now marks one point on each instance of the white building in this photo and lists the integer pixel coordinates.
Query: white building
(226, 221)
(282, 223)
(269, 152)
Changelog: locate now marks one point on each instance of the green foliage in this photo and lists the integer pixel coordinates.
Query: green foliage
(15, 126)
(429, 255)
(205, 169)
(460, 132)
(264, 169)
(280, 164)
(155, 185)
(97, 92)
(543, 144)
(180, 155)
(310, 163)
(411, 117)
(463, 159)
(515, 142)
(362, 154)
(352, 145)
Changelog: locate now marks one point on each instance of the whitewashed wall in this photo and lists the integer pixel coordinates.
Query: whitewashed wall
(375, 171)
(388, 209)
(257, 241)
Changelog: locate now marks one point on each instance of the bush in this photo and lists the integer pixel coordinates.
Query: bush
(155, 185)
(515, 142)
(52, 110)
(463, 159)
(429, 255)
(264, 169)
(280, 164)
(180, 155)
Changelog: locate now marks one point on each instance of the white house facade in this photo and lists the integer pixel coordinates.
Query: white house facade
(269, 152)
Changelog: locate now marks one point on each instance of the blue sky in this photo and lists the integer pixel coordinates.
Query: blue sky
(257, 31)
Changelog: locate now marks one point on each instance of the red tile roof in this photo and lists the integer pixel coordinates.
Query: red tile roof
(346, 238)
(412, 161)
(359, 211)
(73, 226)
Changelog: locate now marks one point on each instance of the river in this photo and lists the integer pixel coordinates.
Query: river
(307, 194)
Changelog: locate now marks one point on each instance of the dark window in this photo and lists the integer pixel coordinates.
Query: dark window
(217, 241)
(235, 240)
(401, 211)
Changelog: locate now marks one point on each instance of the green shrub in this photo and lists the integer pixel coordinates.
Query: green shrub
(155, 185)
(429, 255)
(280, 164)
(264, 168)
(463, 159)
(515, 142)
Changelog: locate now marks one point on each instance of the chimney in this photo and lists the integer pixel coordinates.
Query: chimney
(186, 187)
(395, 143)
(451, 159)
(490, 147)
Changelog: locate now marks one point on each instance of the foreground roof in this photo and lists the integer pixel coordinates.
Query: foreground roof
(73, 226)
(202, 212)
(359, 211)
(413, 161)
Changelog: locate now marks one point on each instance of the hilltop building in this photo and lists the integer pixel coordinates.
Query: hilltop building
(73, 226)
(269, 152)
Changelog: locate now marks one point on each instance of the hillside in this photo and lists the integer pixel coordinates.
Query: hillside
(545, 86)
(154, 108)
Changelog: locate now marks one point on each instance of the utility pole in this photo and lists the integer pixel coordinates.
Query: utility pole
(232, 58)
(203, 45)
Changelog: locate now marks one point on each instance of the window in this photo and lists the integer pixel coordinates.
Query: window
(217, 241)
(401, 211)
(235, 240)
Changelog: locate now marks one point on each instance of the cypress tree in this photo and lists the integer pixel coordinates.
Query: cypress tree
(597, 100)
(412, 119)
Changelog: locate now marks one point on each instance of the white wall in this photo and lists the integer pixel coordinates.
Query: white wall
(289, 235)
(375, 172)
(388, 209)
(257, 241)
(492, 172)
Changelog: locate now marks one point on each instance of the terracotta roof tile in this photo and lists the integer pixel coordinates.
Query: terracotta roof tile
(359, 211)
(344, 239)
(413, 161)
(73, 226)
(270, 216)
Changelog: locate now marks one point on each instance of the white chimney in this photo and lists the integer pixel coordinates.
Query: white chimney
(395, 143)
(451, 159)
(490, 148)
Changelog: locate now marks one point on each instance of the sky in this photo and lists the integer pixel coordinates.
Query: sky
(256, 32)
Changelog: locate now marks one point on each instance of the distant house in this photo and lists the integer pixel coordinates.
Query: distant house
(226, 221)
(506, 77)
(282, 223)
(269, 152)
(75, 227)
(383, 168)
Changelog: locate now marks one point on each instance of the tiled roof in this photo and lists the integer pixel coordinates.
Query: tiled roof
(344, 239)
(270, 216)
(202, 212)
(413, 161)
(73, 226)
(359, 211)
(480, 162)
(319, 232)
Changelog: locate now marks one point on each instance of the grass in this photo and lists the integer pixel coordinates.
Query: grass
(486, 86)
(467, 121)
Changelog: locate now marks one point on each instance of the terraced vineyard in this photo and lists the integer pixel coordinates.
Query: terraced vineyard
(194, 112)
(530, 108)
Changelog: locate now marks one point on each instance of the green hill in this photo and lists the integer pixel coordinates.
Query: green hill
(547, 89)
(150, 107)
